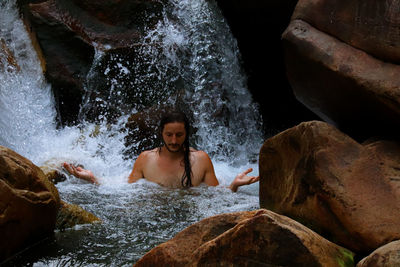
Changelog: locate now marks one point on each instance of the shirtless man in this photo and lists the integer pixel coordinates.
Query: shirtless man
(174, 164)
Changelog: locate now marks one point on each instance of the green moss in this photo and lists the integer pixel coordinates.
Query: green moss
(346, 258)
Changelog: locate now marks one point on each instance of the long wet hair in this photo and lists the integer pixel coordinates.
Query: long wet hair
(178, 116)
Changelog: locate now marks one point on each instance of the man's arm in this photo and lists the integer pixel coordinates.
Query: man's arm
(211, 179)
(137, 170)
(209, 173)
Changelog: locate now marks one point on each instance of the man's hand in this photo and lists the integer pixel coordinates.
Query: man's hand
(81, 173)
(243, 179)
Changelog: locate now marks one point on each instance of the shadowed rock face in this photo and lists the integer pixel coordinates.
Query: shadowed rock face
(255, 238)
(28, 203)
(69, 33)
(258, 25)
(347, 192)
(337, 55)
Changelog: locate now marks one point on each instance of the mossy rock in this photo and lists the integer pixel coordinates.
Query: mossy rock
(70, 215)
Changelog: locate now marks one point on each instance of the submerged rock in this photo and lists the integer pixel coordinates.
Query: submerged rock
(6, 56)
(346, 191)
(53, 173)
(70, 215)
(28, 203)
(254, 238)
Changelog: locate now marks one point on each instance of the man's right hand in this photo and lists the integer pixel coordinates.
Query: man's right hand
(243, 179)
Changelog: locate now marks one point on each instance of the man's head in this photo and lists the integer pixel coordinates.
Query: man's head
(174, 128)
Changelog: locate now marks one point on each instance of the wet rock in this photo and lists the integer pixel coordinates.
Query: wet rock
(385, 256)
(69, 33)
(339, 58)
(7, 59)
(53, 173)
(254, 238)
(345, 191)
(70, 215)
(28, 203)
(127, 79)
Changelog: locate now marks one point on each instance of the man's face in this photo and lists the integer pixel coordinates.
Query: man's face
(174, 135)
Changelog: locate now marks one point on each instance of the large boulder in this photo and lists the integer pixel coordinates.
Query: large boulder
(253, 238)
(341, 61)
(346, 191)
(343, 85)
(385, 256)
(28, 203)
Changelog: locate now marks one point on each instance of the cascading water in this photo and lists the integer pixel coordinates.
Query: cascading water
(192, 54)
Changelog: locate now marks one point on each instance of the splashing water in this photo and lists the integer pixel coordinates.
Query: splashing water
(190, 48)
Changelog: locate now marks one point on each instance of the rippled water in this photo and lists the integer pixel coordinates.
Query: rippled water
(136, 217)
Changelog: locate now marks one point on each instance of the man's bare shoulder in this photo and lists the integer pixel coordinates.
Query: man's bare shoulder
(147, 155)
(149, 152)
(199, 155)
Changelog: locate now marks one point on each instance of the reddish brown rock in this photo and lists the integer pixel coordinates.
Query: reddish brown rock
(385, 256)
(341, 84)
(28, 203)
(345, 191)
(69, 33)
(255, 238)
(372, 26)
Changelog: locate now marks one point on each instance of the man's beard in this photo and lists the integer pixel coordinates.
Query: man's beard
(178, 150)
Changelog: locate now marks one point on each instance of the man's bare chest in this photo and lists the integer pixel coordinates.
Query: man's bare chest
(169, 173)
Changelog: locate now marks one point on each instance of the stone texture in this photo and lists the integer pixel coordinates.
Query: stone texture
(70, 215)
(255, 238)
(347, 192)
(343, 85)
(28, 203)
(372, 26)
(385, 256)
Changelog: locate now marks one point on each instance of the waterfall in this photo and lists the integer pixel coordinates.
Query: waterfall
(26, 101)
(190, 55)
